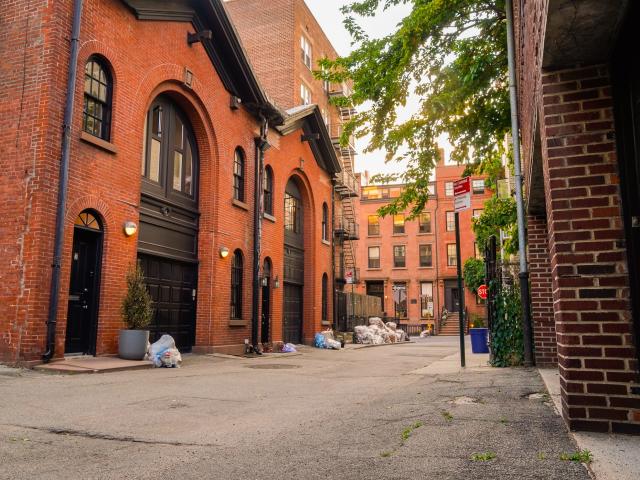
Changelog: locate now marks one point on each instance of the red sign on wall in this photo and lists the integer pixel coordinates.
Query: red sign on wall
(482, 292)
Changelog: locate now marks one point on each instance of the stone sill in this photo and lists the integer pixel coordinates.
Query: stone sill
(234, 322)
(239, 204)
(98, 142)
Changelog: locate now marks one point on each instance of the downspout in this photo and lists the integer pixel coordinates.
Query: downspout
(522, 246)
(435, 229)
(261, 146)
(333, 255)
(63, 182)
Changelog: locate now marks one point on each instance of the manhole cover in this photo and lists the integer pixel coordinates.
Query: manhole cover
(273, 366)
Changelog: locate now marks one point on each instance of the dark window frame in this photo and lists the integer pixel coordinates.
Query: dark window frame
(429, 256)
(239, 170)
(427, 223)
(325, 297)
(370, 259)
(373, 229)
(267, 188)
(105, 104)
(237, 272)
(325, 222)
(397, 230)
(396, 258)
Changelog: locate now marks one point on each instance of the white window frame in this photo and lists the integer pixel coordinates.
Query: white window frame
(305, 94)
(306, 51)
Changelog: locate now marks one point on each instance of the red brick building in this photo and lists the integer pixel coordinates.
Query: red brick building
(165, 141)
(284, 42)
(411, 264)
(579, 95)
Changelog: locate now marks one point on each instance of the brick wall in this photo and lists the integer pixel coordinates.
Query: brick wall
(544, 329)
(596, 355)
(143, 65)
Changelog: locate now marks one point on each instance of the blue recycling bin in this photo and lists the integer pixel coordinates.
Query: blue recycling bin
(479, 340)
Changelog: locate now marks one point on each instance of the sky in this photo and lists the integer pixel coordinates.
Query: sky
(328, 14)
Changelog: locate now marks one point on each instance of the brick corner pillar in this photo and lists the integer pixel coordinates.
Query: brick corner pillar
(596, 355)
(544, 328)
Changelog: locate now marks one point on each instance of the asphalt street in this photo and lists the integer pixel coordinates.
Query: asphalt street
(351, 414)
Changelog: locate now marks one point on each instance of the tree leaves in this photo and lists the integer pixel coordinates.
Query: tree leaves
(451, 55)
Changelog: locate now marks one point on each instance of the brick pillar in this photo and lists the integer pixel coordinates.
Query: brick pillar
(586, 249)
(544, 328)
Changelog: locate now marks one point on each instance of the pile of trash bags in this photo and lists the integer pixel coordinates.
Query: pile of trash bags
(164, 353)
(326, 339)
(378, 333)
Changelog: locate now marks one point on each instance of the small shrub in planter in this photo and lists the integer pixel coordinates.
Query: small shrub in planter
(137, 312)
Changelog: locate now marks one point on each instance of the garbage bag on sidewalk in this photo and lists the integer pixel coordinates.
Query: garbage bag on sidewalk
(320, 341)
(164, 353)
(289, 348)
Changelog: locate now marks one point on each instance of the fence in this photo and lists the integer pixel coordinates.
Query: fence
(355, 309)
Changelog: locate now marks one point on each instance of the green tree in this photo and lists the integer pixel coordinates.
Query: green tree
(137, 306)
(473, 273)
(498, 214)
(451, 55)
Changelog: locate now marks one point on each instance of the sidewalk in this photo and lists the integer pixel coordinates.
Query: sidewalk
(87, 364)
(615, 457)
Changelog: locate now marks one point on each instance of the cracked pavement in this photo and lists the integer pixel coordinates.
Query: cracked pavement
(322, 414)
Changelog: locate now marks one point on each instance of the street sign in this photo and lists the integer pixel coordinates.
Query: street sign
(482, 292)
(349, 275)
(462, 194)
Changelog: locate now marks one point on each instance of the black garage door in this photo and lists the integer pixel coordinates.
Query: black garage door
(292, 313)
(172, 285)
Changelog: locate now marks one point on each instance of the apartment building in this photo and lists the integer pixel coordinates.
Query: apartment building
(284, 43)
(411, 264)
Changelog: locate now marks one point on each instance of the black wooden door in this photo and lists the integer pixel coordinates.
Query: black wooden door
(266, 314)
(172, 285)
(451, 296)
(82, 309)
(292, 313)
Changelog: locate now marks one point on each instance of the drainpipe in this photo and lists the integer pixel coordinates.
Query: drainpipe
(261, 146)
(333, 254)
(522, 247)
(436, 311)
(63, 182)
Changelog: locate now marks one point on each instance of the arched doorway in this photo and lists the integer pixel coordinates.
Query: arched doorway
(84, 287)
(167, 244)
(293, 264)
(265, 326)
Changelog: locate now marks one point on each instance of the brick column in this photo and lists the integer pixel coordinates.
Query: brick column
(586, 249)
(544, 328)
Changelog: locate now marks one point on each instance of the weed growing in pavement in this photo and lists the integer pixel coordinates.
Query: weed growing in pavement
(386, 454)
(541, 456)
(582, 456)
(483, 457)
(503, 420)
(447, 416)
(406, 433)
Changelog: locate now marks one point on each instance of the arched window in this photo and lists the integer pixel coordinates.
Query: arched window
(325, 222)
(238, 175)
(267, 186)
(96, 115)
(89, 220)
(325, 299)
(236, 284)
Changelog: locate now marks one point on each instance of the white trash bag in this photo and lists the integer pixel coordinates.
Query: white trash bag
(164, 353)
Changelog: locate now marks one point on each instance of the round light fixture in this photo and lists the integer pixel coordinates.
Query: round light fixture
(130, 228)
(224, 252)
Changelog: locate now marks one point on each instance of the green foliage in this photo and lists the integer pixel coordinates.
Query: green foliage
(477, 321)
(447, 416)
(582, 456)
(483, 457)
(473, 273)
(451, 55)
(506, 327)
(498, 214)
(137, 306)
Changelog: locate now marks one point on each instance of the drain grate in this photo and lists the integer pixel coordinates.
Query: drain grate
(273, 366)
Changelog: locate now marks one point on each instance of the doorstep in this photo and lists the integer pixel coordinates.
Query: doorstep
(615, 456)
(87, 364)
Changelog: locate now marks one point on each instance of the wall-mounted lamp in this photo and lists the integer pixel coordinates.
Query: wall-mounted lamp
(276, 282)
(224, 252)
(130, 228)
(199, 36)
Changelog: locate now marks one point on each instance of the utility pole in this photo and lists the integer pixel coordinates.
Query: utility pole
(522, 247)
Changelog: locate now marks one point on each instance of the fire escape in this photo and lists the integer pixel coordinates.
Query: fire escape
(348, 189)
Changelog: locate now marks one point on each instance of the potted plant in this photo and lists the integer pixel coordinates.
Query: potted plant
(479, 335)
(137, 311)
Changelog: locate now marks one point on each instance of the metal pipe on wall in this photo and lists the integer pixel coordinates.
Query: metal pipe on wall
(63, 182)
(522, 246)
